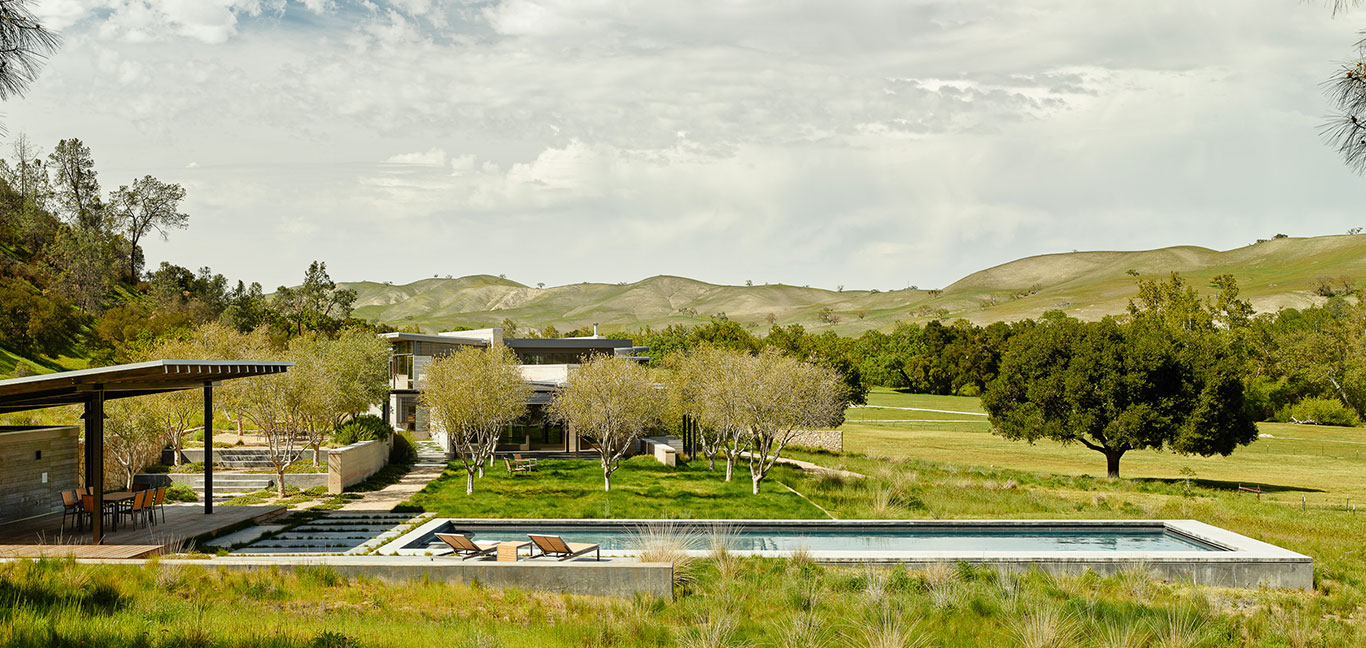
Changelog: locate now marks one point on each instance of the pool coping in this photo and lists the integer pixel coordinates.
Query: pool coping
(1236, 561)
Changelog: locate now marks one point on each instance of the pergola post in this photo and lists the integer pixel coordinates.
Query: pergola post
(208, 448)
(94, 453)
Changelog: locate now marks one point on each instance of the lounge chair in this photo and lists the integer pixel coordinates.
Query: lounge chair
(556, 546)
(466, 548)
(529, 464)
(516, 468)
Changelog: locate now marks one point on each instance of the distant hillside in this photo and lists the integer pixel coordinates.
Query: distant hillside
(1274, 274)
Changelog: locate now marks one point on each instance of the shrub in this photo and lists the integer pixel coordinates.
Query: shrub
(1324, 411)
(179, 492)
(403, 451)
(365, 427)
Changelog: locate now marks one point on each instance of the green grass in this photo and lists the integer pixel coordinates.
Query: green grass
(641, 488)
(1322, 464)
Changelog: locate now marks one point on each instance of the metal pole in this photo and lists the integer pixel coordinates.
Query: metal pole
(208, 448)
(94, 444)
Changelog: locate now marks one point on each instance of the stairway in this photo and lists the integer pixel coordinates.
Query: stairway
(227, 485)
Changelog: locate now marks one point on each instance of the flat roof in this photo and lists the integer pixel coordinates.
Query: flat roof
(439, 339)
(567, 343)
(126, 380)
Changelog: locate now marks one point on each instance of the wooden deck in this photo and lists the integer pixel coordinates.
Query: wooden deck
(44, 536)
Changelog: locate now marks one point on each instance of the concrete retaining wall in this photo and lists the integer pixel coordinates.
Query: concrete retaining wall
(662, 451)
(35, 465)
(304, 481)
(832, 440)
(191, 455)
(350, 465)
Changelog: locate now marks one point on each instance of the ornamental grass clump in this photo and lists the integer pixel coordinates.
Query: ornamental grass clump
(668, 542)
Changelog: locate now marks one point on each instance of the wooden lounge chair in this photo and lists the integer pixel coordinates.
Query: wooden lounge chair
(556, 546)
(466, 548)
(529, 464)
(516, 468)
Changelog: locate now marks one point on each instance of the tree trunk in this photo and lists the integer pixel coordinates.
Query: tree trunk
(730, 467)
(606, 480)
(316, 450)
(1112, 463)
(469, 482)
(280, 482)
(756, 478)
(711, 462)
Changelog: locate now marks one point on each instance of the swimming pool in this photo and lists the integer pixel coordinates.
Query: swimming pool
(824, 538)
(1178, 550)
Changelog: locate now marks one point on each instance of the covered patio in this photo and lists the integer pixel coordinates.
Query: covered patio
(43, 533)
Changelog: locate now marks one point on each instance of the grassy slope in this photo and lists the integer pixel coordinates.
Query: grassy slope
(1274, 274)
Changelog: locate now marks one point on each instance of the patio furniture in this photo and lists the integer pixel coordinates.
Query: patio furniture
(516, 468)
(88, 511)
(137, 506)
(159, 503)
(507, 551)
(529, 464)
(71, 507)
(463, 546)
(551, 545)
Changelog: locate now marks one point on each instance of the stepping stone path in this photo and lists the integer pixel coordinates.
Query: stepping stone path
(335, 532)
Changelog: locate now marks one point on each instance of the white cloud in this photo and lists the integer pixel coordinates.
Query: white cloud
(864, 143)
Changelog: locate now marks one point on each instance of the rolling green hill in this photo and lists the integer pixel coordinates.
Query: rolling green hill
(1274, 274)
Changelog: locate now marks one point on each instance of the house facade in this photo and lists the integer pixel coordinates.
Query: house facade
(546, 365)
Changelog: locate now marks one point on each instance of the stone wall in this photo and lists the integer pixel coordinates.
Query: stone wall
(350, 465)
(832, 440)
(36, 464)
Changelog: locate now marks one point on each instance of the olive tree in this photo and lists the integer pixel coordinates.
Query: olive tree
(782, 397)
(341, 377)
(608, 402)
(472, 394)
(133, 439)
(692, 383)
(274, 403)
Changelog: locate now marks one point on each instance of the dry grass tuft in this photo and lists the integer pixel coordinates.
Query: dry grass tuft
(669, 542)
(710, 631)
(888, 632)
(1044, 628)
(1180, 629)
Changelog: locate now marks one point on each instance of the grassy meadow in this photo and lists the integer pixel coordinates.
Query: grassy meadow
(914, 469)
(1322, 464)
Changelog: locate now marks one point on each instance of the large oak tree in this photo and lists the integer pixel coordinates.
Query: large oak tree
(1117, 386)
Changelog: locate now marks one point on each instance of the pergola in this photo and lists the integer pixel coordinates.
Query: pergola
(92, 387)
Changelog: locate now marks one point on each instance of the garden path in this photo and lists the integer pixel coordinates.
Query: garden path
(431, 461)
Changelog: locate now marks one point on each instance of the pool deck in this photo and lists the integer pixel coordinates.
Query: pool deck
(1236, 561)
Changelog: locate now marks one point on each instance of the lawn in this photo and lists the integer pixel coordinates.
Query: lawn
(641, 488)
(1322, 464)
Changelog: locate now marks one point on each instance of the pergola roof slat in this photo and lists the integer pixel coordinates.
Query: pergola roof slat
(122, 381)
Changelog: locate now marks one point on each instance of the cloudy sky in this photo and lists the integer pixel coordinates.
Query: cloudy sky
(869, 144)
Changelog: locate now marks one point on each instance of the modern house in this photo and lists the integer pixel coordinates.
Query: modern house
(546, 364)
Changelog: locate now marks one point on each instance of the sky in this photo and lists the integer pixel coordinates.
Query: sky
(858, 143)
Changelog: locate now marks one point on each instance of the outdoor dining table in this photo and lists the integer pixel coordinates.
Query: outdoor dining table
(115, 498)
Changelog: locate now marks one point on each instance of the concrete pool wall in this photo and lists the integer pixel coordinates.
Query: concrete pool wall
(1230, 559)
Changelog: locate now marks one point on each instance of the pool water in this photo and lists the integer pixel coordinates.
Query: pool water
(902, 539)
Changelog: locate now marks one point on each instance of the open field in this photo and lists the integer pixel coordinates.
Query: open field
(1321, 463)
